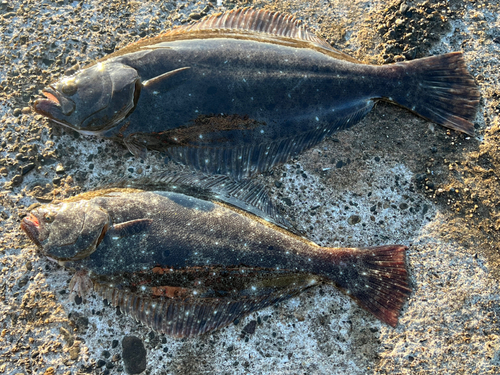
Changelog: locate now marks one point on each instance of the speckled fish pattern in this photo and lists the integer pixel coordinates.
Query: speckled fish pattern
(186, 266)
(240, 92)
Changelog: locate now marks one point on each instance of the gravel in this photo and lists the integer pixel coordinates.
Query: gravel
(392, 178)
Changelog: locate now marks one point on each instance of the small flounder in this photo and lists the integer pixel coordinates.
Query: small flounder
(186, 266)
(239, 92)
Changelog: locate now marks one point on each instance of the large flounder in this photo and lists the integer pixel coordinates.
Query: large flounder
(240, 92)
(186, 266)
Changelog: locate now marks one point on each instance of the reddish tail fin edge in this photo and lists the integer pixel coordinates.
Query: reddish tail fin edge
(444, 91)
(379, 280)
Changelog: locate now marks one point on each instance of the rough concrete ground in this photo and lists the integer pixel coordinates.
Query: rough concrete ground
(393, 178)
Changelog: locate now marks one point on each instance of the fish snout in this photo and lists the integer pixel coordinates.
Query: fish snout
(55, 105)
(30, 225)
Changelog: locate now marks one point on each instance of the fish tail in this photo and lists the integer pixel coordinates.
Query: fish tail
(375, 277)
(440, 90)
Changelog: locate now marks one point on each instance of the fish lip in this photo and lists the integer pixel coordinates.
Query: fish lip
(54, 105)
(31, 228)
(51, 94)
(47, 107)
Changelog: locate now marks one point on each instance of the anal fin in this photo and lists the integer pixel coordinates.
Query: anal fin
(192, 316)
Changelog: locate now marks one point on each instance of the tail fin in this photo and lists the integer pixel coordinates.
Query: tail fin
(376, 277)
(443, 91)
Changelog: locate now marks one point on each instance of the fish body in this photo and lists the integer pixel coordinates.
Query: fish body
(154, 252)
(240, 92)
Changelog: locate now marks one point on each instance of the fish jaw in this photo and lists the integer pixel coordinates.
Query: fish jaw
(30, 225)
(56, 107)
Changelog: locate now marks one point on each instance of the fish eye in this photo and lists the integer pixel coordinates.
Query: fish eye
(69, 88)
(48, 217)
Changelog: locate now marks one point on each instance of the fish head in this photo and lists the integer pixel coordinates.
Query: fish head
(93, 100)
(67, 230)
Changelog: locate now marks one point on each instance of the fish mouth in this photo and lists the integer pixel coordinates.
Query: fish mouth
(51, 95)
(30, 225)
(55, 106)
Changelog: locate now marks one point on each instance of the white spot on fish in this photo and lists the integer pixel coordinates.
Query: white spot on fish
(201, 136)
(155, 92)
(262, 132)
(317, 119)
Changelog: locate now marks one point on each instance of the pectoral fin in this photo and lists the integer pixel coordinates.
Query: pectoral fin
(130, 228)
(135, 147)
(150, 83)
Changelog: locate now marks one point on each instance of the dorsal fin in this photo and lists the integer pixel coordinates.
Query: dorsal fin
(246, 23)
(253, 20)
(246, 195)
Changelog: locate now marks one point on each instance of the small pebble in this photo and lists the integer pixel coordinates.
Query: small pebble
(250, 327)
(26, 168)
(354, 219)
(133, 354)
(16, 180)
(60, 169)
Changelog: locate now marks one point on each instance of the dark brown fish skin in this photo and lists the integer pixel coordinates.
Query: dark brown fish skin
(283, 94)
(134, 231)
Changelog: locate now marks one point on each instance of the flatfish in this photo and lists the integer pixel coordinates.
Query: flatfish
(185, 266)
(240, 92)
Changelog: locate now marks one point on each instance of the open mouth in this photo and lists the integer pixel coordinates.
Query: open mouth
(49, 93)
(49, 106)
(30, 226)
(55, 106)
